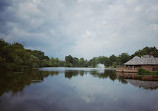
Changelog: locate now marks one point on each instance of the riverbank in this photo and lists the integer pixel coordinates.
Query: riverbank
(145, 72)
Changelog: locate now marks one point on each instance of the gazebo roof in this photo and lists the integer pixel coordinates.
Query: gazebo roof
(145, 60)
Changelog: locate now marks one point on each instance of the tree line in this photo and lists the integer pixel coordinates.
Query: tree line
(14, 56)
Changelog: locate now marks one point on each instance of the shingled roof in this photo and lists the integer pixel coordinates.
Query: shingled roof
(145, 60)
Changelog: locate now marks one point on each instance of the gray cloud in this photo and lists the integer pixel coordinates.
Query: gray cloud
(82, 28)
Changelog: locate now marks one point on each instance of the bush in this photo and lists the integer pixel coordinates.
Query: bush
(154, 72)
(143, 71)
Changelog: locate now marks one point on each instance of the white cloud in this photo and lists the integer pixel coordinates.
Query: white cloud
(131, 1)
(138, 9)
(154, 27)
(81, 28)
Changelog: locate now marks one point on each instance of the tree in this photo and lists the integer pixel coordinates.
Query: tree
(81, 62)
(93, 62)
(112, 59)
(69, 59)
(33, 61)
(15, 56)
(124, 57)
(106, 62)
(17, 46)
(45, 63)
(114, 64)
(146, 51)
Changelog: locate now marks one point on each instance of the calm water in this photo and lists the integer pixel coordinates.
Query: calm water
(76, 89)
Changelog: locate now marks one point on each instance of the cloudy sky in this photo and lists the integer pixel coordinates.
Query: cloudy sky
(82, 28)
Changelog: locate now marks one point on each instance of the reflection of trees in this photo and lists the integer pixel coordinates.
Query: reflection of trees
(81, 73)
(122, 80)
(106, 74)
(15, 82)
(111, 74)
(70, 74)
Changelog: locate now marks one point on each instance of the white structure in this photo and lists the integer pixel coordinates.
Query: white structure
(100, 66)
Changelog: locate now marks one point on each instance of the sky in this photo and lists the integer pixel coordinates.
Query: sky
(81, 28)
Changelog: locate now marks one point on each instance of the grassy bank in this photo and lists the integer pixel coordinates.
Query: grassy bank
(145, 72)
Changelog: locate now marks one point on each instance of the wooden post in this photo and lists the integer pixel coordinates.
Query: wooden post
(132, 67)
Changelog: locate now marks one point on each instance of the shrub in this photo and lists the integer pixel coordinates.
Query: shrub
(143, 71)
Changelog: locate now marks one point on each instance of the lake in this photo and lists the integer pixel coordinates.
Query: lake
(77, 89)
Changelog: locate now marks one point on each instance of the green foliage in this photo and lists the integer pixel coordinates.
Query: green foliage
(15, 56)
(75, 62)
(69, 59)
(124, 57)
(15, 82)
(45, 62)
(112, 59)
(93, 62)
(40, 55)
(144, 72)
(114, 64)
(17, 46)
(147, 51)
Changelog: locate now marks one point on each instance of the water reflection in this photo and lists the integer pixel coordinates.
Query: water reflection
(127, 75)
(143, 84)
(141, 81)
(16, 81)
(76, 89)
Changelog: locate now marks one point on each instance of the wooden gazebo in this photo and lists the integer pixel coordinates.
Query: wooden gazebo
(146, 62)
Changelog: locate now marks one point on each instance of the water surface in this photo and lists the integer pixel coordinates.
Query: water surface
(76, 89)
